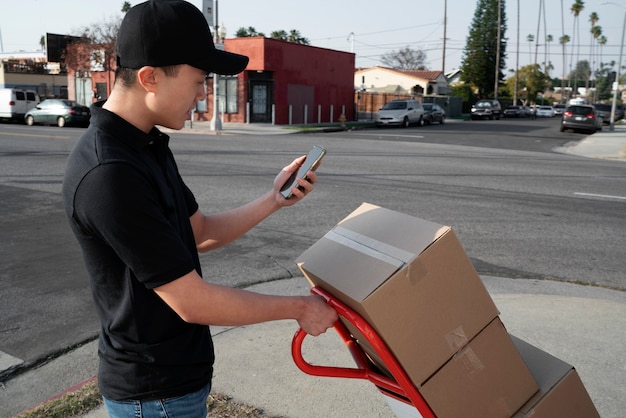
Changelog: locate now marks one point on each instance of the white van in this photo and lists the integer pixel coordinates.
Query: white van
(14, 103)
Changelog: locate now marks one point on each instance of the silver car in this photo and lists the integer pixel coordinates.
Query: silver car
(400, 113)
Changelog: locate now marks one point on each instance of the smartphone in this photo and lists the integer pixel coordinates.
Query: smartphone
(312, 161)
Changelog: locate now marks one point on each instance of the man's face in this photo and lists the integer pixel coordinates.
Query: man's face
(177, 96)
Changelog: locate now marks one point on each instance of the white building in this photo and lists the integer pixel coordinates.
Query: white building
(411, 82)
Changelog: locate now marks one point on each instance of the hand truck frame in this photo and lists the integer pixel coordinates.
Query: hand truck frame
(398, 387)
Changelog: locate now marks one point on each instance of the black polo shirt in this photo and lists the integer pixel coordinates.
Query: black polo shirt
(129, 210)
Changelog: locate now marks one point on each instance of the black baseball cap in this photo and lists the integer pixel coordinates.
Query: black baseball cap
(159, 33)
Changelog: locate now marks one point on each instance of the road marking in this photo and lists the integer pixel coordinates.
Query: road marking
(394, 135)
(7, 361)
(34, 135)
(606, 196)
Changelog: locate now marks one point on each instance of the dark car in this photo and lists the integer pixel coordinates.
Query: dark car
(604, 110)
(514, 112)
(619, 112)
(486, 109)
(58, 112)
(581, 118)
(433, 113)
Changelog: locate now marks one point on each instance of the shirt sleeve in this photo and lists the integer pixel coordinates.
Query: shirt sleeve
(129, 212)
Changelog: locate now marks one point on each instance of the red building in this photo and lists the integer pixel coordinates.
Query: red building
(286, 83)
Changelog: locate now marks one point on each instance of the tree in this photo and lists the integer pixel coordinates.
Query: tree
(293, 36)
(97, 42)
(480, 55)
(578, 74)
(593, 19)
(247, 32)
(548, 66)
(530, 79)
(405, 59)
(530, 38)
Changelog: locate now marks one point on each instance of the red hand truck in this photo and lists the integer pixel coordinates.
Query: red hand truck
(399, 387)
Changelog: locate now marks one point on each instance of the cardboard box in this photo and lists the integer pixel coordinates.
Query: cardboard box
(486, 379)
(561, 392)
(410, 279)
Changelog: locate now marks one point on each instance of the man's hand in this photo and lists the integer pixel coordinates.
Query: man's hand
(317, 317)
(305, 187)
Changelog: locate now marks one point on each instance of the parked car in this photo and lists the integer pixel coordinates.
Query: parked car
(401, 113)
(581, 118)
(58, 112)
(433, 113)
(486, 109)
(514, 112)
(14, 103)
(619, 112)
(559, 109)
(605, 110)
(545, 112)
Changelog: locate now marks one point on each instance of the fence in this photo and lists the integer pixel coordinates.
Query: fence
(368, 103)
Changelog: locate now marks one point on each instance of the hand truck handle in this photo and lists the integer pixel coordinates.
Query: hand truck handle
(400, 384)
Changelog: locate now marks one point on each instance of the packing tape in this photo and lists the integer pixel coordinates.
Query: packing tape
(470, 361)
(369, 246)
(456, 338)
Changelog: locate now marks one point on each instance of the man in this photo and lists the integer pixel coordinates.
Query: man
(140, 228)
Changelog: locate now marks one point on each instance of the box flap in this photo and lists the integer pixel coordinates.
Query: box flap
(394, 228)
(366, 248)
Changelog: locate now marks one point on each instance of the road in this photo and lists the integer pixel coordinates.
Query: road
(520, 209)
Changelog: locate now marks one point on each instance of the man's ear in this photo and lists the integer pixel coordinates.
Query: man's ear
(147, 78)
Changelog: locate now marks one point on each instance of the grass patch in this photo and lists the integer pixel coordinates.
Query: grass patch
(71, 404)
(87, 398)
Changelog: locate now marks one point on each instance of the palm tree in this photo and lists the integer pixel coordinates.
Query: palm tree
(576, 8)
(563, 40)
(549, 39)
(601, 41)
(530, 38)
(593, 19)
(596, 31)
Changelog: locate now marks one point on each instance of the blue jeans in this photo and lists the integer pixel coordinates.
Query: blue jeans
(192, 405)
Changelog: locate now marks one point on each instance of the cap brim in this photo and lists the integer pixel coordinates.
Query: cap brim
(223, 62)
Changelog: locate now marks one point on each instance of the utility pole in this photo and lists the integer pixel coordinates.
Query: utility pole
(495, 87)
(445, 18)
(516, 60)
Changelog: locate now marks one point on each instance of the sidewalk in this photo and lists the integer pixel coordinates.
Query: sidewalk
(604, 145)
(582, 325)
(609, 145)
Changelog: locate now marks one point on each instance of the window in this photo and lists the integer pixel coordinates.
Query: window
(228, 89)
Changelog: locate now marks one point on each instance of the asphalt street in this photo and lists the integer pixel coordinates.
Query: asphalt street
(39, 255)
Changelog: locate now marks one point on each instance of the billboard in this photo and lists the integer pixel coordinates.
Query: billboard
(56, 44)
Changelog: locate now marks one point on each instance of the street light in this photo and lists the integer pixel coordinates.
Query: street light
(216, 123)
(619, 66)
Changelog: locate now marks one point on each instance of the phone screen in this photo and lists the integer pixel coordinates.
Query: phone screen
(312, 161)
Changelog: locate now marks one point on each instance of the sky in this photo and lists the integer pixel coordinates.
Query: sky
(368, 28)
